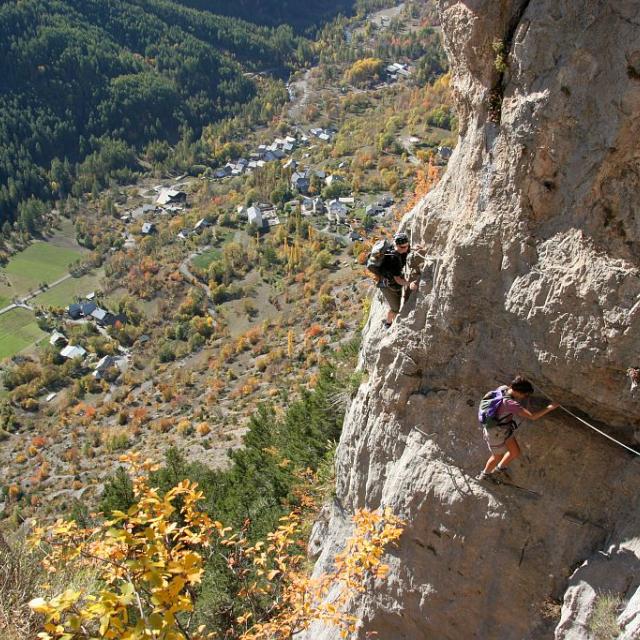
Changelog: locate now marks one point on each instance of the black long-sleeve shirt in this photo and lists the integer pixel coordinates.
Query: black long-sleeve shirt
(392, 265)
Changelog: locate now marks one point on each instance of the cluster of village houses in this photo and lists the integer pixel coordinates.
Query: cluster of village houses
(171, 200)
(336, 210)
(277, 150)
(88, 310)
(264, 215)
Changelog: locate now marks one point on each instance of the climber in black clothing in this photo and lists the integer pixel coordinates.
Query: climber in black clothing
(391, 270)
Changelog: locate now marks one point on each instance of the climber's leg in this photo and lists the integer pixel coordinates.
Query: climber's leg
(513, 452)
(495, 439)
(492, 462)
(393, 297)
(390, 317)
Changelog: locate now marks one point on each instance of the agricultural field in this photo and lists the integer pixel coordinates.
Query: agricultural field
(18, 329)
(66, 292)
(41, 262)
(38, 263)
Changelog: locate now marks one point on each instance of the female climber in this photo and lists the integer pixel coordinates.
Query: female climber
(498, 412)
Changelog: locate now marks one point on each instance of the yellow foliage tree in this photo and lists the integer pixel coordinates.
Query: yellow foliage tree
(150, 560)
(364, 72)
(291, 345)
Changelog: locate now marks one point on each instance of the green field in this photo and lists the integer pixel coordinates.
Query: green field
(205, 259)
(39, 262)
(66, 292)
(18, 329)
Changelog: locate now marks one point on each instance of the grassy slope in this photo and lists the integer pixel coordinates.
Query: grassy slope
(205, 259)
(40, 262)
(66, 292)
(18, 329)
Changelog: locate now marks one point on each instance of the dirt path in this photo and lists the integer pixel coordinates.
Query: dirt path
(299, 92)
(184, 270)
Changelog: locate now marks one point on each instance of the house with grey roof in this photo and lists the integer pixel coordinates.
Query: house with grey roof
(300, 181)
(57, 339)
(103, 366)
(311, 206)
(373, 210)
(336, 211)
(73, 351)
(170, 196)
(99, 314)
(222, 172)
(254, 215)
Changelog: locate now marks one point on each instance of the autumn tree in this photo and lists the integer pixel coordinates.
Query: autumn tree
(151, 559)
(364, 72)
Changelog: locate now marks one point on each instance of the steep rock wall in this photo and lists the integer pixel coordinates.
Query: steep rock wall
(534, 235)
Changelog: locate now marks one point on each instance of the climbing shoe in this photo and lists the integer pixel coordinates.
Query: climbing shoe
(502, 473)
(387, 325)
(483, 477)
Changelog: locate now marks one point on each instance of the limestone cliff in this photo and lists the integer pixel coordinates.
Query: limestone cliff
(535, 232)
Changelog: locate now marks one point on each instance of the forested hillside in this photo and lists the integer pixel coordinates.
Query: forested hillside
(275, 12)
(77, 75)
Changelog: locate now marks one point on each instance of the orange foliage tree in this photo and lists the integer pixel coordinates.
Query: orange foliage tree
(426, 179)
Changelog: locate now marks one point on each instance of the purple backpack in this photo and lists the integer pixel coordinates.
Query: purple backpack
(488, 409)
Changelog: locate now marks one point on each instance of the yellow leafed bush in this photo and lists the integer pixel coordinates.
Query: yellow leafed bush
(148, 563)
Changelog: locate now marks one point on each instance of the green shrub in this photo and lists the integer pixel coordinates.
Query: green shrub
(118, 493)
(603, 622)
(117, 441)
(166, 353)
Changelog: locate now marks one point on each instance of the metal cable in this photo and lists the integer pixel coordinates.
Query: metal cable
(602, 433)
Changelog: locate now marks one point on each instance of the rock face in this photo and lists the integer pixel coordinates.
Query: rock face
(534, 233)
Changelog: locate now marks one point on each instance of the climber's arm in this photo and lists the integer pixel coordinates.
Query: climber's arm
(525, 413)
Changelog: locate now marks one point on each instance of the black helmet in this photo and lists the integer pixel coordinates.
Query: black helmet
(401, 238)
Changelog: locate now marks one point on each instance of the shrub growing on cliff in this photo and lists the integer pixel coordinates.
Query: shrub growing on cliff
(603, 622)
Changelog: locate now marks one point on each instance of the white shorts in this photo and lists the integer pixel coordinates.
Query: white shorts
(496, 437)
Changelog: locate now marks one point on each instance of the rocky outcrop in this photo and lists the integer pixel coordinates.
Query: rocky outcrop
(534, 235)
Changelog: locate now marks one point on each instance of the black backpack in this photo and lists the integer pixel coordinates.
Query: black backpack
(378, 252)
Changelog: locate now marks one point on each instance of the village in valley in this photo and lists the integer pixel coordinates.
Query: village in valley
(199, 295)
